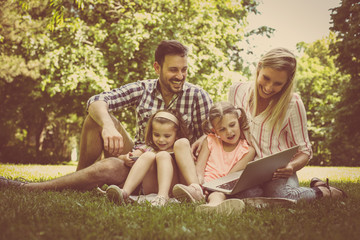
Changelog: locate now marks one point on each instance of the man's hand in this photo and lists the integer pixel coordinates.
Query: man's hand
(285, 172)
(196, 147)
(113, 141)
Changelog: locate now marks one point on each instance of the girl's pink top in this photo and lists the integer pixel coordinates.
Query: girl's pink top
(220, 162)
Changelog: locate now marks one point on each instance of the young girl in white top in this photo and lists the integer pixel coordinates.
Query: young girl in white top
(225, 150)
(164, 128)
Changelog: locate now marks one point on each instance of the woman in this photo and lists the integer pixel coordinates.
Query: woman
(277, 122)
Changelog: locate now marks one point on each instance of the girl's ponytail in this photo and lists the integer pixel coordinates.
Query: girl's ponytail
(206, 126)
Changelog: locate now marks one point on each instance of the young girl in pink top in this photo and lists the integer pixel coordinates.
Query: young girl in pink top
(224, 150)
(225, 147)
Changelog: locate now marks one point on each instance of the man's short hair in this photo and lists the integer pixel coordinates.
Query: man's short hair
(169, 47)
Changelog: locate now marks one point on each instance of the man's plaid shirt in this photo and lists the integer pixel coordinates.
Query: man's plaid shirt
(193, 103)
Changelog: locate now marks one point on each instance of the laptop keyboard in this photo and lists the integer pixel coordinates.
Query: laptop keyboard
(229, 185)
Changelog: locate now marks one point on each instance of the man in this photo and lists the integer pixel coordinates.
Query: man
(103, 132)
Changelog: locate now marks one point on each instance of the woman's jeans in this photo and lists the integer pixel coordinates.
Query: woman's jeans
(280, 188)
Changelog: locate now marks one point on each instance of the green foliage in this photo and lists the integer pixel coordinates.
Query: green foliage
(319, 81)
(55, 54)
(44, 82)
(57, 12)
(329, 82)
(346, 26)
(211, 29)
(346, 135)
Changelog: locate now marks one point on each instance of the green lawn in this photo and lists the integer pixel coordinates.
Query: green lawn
(88, 215)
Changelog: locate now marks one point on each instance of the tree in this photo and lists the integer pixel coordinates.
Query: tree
(44, 79)
(319, 81)
(346, 134)
(211, 29)
(96, 45)
(18, 74)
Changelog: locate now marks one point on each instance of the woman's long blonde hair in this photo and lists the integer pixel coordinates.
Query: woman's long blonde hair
(279, 59)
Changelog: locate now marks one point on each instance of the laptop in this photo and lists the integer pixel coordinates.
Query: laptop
(256, 172)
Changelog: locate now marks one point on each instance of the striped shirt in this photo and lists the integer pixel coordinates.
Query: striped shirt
(192, 102)
(263, 137)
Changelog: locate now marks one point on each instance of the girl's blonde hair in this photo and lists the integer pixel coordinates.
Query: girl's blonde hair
(181, 129)
(219, 110)
(280, 59)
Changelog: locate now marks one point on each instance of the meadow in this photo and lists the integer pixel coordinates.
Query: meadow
(88, 215)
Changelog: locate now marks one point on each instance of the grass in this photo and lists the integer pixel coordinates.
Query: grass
(88, 215)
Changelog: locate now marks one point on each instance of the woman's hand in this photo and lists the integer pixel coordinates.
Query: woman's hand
(285, 172)
(298, 162)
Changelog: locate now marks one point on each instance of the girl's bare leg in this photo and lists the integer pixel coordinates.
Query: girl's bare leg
(215, 198)
(138, 171)
(165, 173)
(150, 181)
(192, 190)
(185, 162)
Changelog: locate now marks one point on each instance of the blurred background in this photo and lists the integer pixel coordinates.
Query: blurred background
(55, 54)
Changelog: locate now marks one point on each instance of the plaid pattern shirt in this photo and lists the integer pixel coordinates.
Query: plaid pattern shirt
(192, 102)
